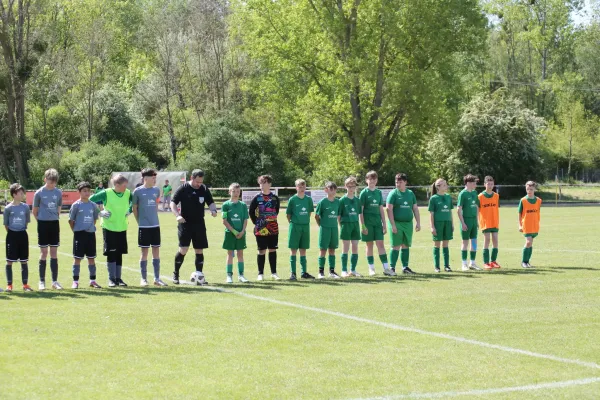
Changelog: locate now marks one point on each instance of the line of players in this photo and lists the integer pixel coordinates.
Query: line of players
(349, 219)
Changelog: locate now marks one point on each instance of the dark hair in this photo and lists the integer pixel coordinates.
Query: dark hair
(15, 188)
(401, 177)
(148, 172)
(83, 185)
(470, 178)
(265, 179)
(197, 173)
(371, 175)
(330, 185)
(488, 179)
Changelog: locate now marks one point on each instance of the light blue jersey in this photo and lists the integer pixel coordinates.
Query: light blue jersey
(49, 203)
(85, 215)
(17, 217)
(147, 200)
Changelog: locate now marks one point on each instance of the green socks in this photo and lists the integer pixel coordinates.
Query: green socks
(331, 262)
(446, 256)
(527, 251)
(293, 264)
(394, 254)
(463, 254)
(321, 263)
(494, 254)
(353, 262)
(384, 260)
(486, 256)
(241, 268)
(303, 264)
(229, 269)
(344, 262)
(436, 257)
(473, 254)
(370, 260)
(404, 255)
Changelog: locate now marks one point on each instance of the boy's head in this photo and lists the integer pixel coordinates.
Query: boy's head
(300, 185)
(197, 178)
(101, 184)
(470, 181)
(330, 188)
(371, 178)
(120, 183)
(166, 181)
(530, 187)
(265, 182)
(51, 177)
(351, 183)
(401, 180)
(85, 190)
(17, 192)
(149, 176)
(488, 181)
(235, 190)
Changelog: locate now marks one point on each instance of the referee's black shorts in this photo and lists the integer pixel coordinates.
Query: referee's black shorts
(194, 233)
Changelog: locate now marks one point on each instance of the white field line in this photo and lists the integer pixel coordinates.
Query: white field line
(481, 392)
(537, 249)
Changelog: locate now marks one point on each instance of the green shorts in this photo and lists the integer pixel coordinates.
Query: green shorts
(230, 242)
(471, 232)
(350, 231)
(299, 236)
(443, 231)
(404, 235)
(375, 232)
(328, 238)
(490, 230)
(530, 235)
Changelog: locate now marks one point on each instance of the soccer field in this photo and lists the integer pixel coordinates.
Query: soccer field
(502, 334)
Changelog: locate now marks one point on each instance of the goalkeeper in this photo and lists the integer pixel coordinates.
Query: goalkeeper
(117, 207)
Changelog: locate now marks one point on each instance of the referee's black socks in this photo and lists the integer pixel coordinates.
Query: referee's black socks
(199, 262)
(178, 261)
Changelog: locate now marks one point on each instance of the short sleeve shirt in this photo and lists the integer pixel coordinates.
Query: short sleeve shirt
(469, 201)
(192, 201)
(235, 213)
(328, 211)
(49, 202)
(403, 203)
(350, 209)
(441, 206)
(300, 209)
(84, 214)
(371, 201)
(17, 217)
(146, 200)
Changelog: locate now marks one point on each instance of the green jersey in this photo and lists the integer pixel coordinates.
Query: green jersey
(371, 200)
(441, 206)
(235, 213)
(300, 209)
(167, 190)
(350, 209)
(469, 203)
(328, 211)
(403, 203)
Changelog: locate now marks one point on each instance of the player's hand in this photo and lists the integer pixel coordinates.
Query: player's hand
(180, 220)
(365, 231)
(418, 228)
(433, 232)
(104, 214)
(384, 230)
(394, 230)
(240, 235)
(464, 227)
(213, 213)
(520, 229)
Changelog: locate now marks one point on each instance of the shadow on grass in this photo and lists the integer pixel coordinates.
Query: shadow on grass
(574, 269)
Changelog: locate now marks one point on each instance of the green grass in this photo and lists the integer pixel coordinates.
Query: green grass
(190, 342)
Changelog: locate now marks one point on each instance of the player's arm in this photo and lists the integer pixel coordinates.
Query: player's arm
(72, 215)
(59, 204)
(417, 217)
(520, 215)
(317, 215)
(36, 204)
(134, 208)
(174, 202)
(252, 210)
(390, 214)
(5, 218)
(99, 197)
(432, 222)
(289, 211)
(460, 213)
(212, 206)
(277, 204)
(382, 216)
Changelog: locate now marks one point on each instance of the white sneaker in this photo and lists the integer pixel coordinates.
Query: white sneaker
(530, 266)
(229, 279)
(42, 286)
(75, 285)
(474, 266)
(356, 274)
(321, 276)
(465, 267)
(275, 277)
(158, 282)
(524, 265)
(242, 279)
(260, 277)
(388, 272)
(334, 275)
(345, 274)
(143, 282)
(56, 285)
(372, 272)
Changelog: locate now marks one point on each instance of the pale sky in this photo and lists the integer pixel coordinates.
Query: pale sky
(585, 15)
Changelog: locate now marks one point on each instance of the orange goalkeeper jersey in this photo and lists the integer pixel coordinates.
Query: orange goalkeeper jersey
(489, 213)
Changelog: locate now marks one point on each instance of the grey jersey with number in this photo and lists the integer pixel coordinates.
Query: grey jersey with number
(49, 203)
(17, 217)
(85, 215)
(146, 200)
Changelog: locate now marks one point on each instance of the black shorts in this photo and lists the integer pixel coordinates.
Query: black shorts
(194, 233)
(48, 233)
(149, 237)
(17, 246)
(267, 242)
(84, 244)
(114, 242)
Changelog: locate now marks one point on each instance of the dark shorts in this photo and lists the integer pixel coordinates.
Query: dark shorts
(48, 233)
(17, 246)
(84, 244)
(114, 242)
(149, 237)
(267, 242)
(192, 233)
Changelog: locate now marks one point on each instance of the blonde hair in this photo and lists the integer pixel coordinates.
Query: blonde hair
(234, 185)
(350, 180)
(51, 175)
(119, 179)
(300, 182)
(435, 186)
(531, 183)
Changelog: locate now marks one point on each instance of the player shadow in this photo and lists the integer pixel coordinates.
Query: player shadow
(573, 269)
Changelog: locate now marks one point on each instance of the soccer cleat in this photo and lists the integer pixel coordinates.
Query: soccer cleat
(275, 277)
(260, 277)
(465, 267)
(27, 288)
(56, 286)
(356, 274)
(42, 285)
(242, 279)
(372, 272)
(121, 283)
(293, 277)
(345, 274)
(436, 269)
(474, 266)
(333, 275)
(321, 276)
(9, 288)
(388, 272)
(175, 278)
(524, 265)
(95, 285)
(530, 266)
(158, 282)
(447, 269)
(75, 285)
(495, 264)
(111, 283)
(407, 270)
(306, 275)
(143, 282)
(393, 269)
(229, 279)
(487, 266)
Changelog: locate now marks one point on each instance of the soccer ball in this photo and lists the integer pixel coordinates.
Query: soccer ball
(197, 278)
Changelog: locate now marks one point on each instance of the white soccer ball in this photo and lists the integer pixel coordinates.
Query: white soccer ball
(197, 278)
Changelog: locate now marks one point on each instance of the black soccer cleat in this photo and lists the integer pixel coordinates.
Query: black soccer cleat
(407, 270)
(176, 278)
(293, 277)
(306, 275)
(121, 283)
(447, 269)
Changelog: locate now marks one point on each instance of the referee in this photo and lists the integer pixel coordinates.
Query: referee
(191, 197)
